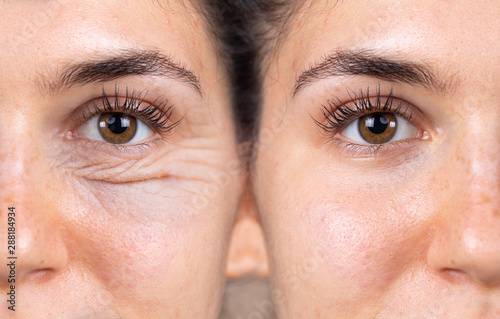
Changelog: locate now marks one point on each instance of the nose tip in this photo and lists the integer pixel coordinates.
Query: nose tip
(480, 256)
(34, 251)
(471, 251)
(247, 253)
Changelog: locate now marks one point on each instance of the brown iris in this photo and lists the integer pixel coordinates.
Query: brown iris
(378, 128)
(117, 128)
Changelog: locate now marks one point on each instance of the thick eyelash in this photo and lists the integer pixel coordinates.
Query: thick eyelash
(337, 114)
(156, 114)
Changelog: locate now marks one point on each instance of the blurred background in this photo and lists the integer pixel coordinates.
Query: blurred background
(247, 298)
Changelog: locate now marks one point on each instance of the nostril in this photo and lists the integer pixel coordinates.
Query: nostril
(455, 275)
(39, 275)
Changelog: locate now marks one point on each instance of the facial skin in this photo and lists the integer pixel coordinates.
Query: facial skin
(114, 230)
(409, 229)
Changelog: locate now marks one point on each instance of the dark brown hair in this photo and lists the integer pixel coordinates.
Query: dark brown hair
(248, 31)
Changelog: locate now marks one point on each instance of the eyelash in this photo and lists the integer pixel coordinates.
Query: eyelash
(337, 114)
(156, 114)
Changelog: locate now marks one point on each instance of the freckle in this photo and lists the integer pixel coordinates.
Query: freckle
(486, 199)
(42, 262)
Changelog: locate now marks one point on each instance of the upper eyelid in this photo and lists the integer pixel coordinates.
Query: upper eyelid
(133, 103)
(337, 113)
(130, 100)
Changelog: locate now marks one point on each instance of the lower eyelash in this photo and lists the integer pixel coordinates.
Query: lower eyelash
(337, 114)
(371, 150)
(156, 114)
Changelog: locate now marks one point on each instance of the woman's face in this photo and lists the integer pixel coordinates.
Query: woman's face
(119, 156)
(377, 174)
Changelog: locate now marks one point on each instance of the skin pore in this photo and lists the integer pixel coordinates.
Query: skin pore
(107, 229)
(409, 228)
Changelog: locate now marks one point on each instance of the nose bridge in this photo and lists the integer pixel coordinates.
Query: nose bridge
(480, 161)
(20, 166)
(480, 225)
(468, 235)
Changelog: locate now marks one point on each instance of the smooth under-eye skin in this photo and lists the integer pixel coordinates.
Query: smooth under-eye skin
(123, 226)
(405, 229)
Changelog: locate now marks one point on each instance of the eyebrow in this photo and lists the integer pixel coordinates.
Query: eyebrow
(368, 63)
(125, 63)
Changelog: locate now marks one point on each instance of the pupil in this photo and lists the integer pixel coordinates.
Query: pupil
(377, 123)
(117, 124)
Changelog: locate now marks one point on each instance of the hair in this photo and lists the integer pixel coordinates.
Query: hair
(247, 32)
(229, 22)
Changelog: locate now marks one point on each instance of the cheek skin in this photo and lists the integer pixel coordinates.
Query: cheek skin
(368, 240)
(136, 259)
(132, 246)
(132, 238)
(379, 231)
(364, 252)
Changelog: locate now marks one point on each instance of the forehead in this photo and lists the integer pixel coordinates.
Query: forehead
(367, 19)
(45, 33)
(392, 23)
(439, 33)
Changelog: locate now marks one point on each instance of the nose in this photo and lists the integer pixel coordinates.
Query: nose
(29, 221)
(247, 252)
(466, 241)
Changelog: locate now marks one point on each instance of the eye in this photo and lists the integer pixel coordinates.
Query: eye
(379, 128)
(115, 128)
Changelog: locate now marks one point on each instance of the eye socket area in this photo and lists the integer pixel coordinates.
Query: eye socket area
(124, 119)
(115, 128)
(381, 128)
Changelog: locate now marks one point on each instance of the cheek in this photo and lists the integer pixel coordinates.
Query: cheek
(146, 246)
(367, 243)
(124, 254)
(135, 259)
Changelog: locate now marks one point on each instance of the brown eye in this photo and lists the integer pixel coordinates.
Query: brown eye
(117, 128)
(378, 128)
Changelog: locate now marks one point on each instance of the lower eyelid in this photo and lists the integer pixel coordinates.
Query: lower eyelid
(360, 151)
(92, 150)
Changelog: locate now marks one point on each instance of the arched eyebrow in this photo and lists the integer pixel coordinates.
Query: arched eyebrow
(121, 64)
(363, 62)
